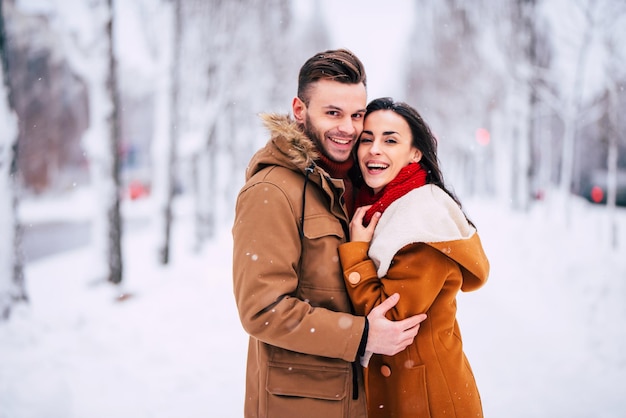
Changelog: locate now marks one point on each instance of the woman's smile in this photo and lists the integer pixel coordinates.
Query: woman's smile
(385, 147)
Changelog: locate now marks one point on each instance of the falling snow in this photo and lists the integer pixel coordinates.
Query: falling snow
(175, 347)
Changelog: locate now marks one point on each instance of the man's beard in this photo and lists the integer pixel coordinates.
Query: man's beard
(317, 136)
(313, 134)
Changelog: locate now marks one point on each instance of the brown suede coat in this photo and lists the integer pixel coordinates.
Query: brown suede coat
(425, 250)
(289, 290)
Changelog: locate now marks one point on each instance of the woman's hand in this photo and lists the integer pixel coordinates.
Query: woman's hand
(358, 232)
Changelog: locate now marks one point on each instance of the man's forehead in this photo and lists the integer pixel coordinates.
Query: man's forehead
(339, 96)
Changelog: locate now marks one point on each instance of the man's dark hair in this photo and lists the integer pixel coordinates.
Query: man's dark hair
(338, 65)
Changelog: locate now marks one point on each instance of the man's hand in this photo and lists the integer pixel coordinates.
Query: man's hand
(390, 337)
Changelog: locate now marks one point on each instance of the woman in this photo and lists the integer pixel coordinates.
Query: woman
(410, 236)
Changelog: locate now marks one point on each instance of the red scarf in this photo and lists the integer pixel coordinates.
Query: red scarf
(410, 177)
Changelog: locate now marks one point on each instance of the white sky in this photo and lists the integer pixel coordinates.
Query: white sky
(375, 31)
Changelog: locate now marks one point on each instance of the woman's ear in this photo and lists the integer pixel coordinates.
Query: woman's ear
(417, 156)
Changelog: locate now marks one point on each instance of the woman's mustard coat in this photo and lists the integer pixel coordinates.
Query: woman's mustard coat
(425, 250)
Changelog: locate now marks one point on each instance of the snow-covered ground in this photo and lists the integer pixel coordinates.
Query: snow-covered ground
(545, 336)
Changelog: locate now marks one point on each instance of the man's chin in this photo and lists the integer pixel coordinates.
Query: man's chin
(340, 157)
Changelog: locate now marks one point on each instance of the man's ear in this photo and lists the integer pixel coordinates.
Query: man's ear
(299, 109)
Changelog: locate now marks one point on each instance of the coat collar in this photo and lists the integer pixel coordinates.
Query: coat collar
(426, 214)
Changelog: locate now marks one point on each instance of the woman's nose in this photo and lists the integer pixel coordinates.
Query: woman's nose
(375, 148)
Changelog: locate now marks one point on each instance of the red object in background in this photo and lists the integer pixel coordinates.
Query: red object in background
(137, 190)
(597, 194)
(483, 137)
(540, 194)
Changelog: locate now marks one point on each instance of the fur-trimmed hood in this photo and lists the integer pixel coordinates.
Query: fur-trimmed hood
(288, 147)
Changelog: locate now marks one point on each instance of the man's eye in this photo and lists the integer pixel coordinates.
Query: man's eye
(332, 113)
(357, 116)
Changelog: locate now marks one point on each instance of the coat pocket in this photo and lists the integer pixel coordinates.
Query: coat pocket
(399, 391)
(301, 391)
(320, 279)
(309, 382)
(317, 226)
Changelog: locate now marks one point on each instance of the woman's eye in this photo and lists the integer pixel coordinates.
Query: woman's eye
(365, 140)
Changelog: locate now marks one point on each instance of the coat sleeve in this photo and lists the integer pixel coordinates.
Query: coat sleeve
(266, 254)
(418, 273)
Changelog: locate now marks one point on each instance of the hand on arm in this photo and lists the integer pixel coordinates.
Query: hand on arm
(390, 337)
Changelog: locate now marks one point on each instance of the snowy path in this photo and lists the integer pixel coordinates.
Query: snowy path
(545, 336)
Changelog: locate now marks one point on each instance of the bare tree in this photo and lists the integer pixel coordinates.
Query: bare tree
(571, 98)
(114, 252)
(516, 69)
(611, 163)
(163, 30)
(572, 106)
(89, 51)
(242, 55)
(12, 287)
(615, 74)
(512, 28)
(452, 81)
(524, 18)
(169, 153)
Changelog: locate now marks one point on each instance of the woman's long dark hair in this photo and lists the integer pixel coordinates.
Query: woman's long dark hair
(423, 139)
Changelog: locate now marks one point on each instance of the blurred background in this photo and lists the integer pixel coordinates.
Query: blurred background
(155, 97)
(135, 115)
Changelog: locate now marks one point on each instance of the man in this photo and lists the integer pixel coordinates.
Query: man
(291, 215)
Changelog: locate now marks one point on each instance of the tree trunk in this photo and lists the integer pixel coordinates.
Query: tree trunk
(206, 190)
(612, 169)
(524, 17)
(570, 124)
(521, 148)
(12, 287)
(115, 260)
(90, 55)
(170, 177)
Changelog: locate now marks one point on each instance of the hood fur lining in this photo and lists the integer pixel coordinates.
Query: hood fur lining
(290, 139)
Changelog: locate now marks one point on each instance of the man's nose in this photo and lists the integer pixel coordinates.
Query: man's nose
(348, 126)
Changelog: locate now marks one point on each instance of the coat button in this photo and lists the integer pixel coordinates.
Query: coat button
(354, 277)
(385, 370)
